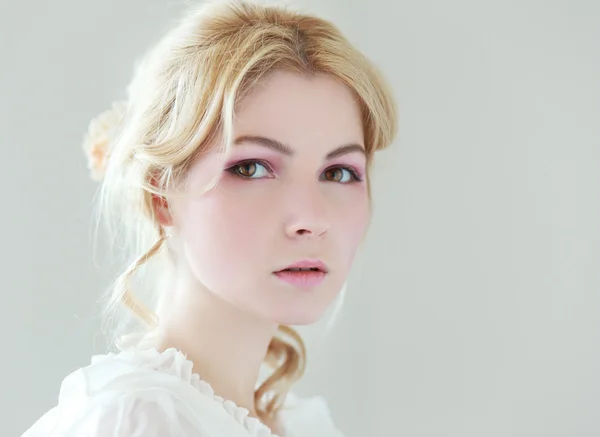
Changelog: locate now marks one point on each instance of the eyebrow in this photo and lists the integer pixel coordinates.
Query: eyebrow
(288, 151)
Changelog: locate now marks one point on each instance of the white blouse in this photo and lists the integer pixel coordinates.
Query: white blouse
(146, 393)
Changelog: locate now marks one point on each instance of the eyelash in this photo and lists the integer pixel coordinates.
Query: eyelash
(232, 170)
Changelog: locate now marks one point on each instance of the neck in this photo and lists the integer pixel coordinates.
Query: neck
(226, 344)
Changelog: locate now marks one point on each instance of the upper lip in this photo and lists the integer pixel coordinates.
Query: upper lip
(308, 264)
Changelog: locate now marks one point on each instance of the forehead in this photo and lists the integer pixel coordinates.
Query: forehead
(301, 110)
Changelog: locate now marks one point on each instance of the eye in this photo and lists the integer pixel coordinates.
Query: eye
(250, 170)
(343, 175)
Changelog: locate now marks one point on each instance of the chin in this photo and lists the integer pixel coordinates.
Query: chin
(298, 318)
(305, 312)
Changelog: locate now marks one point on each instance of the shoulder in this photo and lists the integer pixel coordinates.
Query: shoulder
(308, 416)
(143, 392)
(124, 415)
(121, 397)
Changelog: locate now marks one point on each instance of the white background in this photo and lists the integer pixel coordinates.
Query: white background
(473, 310)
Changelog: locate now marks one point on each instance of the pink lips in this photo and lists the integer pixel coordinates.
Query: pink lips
(298, 274)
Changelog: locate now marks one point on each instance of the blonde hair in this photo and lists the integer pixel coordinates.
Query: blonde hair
(181, 99)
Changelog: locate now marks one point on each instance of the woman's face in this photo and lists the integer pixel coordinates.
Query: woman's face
(294, 190)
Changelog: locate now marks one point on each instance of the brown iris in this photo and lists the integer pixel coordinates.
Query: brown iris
(334, 174)
(247, 169)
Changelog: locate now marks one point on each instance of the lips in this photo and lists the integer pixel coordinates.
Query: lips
(303, 274)
(310, 269)
(306, 265)
(302, 278)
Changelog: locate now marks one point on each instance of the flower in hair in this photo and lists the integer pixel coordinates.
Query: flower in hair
(101, 132)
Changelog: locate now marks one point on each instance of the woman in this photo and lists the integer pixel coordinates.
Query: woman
(237, 176)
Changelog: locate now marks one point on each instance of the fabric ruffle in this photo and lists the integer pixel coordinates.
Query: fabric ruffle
(298, 416)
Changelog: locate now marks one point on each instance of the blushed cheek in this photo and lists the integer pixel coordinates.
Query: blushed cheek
(361, 211)
(357, 222)
(228, 226)
(215, 244)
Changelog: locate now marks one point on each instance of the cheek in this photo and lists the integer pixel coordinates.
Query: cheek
(224, 232)
(352, 223)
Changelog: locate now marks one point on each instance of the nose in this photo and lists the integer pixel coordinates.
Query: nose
(308, 215)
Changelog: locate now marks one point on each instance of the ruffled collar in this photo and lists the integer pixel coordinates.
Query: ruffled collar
(174, 362)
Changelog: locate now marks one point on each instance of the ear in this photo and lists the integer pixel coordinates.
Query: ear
(160, 206)
(162, 211)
